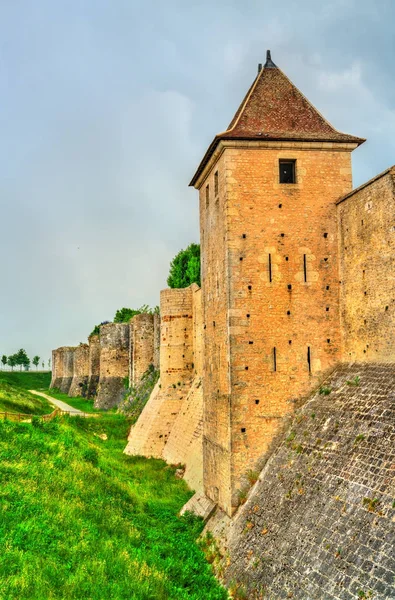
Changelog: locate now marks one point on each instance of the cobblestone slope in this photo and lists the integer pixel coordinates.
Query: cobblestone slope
(320, 522)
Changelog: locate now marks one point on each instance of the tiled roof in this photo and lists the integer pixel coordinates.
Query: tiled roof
(274, 109)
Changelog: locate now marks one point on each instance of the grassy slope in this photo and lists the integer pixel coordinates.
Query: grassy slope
(15, 398)
(79, 519)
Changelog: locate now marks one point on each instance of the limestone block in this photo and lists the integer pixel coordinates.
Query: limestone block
(114, 364)
(67, 368)
(94, 365)
(79, 383)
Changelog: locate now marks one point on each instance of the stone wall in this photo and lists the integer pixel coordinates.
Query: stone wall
(57, 368)
(170, 425)
(67, 354)
(270, 286)
(367, 244)
(320, 521)
(185, 442)
(156, 341)
(94, 365)
(79, 384)
(142, 345)
(114, 364)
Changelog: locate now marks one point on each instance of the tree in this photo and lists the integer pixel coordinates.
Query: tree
(185, 268)
(22, 359)
(11, 361)
(4, 360)
(36, 361)
(49, 364)
(43, 364)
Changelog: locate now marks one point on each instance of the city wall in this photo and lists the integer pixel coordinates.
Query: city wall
(367, 250)
(114, 364)
(170, 425)
(93, 365)
(79, 384)
(67, 368)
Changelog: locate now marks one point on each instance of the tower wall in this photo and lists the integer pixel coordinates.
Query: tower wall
(156, 340)
(79, 383)
(114, 364)
(143, 345)
(151, 432)
(57, 368)
(67, 353)
(367, 251)
(94, 365)
(270, 297)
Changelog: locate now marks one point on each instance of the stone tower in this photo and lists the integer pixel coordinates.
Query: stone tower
(268, 187)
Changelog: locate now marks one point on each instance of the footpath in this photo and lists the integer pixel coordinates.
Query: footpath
(62, 405)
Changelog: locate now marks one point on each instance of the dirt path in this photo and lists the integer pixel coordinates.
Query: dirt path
(62, 405)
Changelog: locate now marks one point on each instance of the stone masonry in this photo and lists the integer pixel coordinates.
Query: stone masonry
(79, 383)
(173, 413)
(114, 364)
(94, 365)
(142, 345)
(319, 523)
(67, 368)
(367, 241)
(57, 368)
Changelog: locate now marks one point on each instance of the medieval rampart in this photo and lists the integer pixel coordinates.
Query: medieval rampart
(170, 425)
(67, 368)
(57, 368)
(79, 383)
(94, 365)
(142, 345)
(114, 364)
(367, 246)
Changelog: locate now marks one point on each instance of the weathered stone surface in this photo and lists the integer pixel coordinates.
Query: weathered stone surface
(320, 522)
(143, 345)
(79, 383)
(114, 364)
(199, 505)
(156, 341)
(94, 365)
(67, 353)
(367, 241)
(151, 431)
(57, 368)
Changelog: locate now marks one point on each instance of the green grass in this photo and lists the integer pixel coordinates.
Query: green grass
(26, 380)
(14, 395)
(79, 519)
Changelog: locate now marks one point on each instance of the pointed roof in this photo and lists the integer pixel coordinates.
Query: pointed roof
(274, 109)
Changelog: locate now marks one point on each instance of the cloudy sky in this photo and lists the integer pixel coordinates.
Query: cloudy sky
(107, 106)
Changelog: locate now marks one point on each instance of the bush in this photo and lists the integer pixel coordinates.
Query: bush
(185, 268)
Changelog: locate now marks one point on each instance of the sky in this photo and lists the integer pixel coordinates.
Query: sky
(107, 107)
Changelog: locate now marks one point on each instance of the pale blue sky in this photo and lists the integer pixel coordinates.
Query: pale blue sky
(107, 108)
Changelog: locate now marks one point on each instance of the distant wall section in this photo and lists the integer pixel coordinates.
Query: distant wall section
(114, 364)
(79, 384)
(367, 259)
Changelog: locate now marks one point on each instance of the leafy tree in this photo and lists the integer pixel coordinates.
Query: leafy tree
(185, 268)
(36, 361)
(4, 360)
(49, 364)
(22, 359)
(43, 364)
(11, 361)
